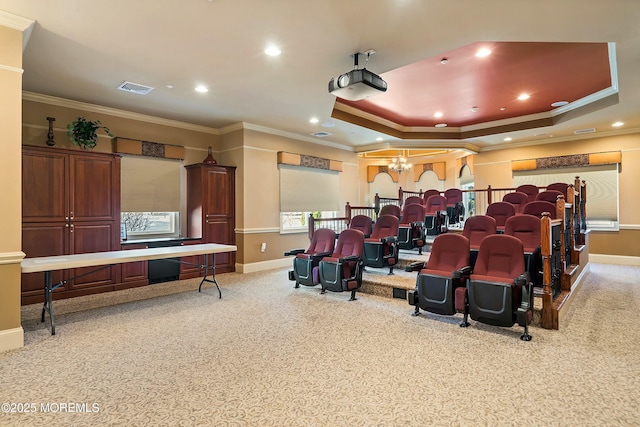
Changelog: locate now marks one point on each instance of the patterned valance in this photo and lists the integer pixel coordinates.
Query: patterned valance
(462, 162)
(306, 161)
(147, 149)
(569, 161)
(439, 168)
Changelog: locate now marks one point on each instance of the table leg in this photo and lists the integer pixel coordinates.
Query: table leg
(48, 301)
(213, 273)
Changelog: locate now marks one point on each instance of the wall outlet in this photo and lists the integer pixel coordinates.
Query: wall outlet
(263, 247)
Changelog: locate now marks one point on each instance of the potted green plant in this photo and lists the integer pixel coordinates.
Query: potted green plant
(83, 132)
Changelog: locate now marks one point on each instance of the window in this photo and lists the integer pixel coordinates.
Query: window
(602, 190)
(296, 222)
(147, 224)
(150, 196)
(305, 190)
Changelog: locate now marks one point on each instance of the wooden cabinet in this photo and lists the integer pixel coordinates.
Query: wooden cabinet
(211, 208)
(134, 273)
(70, 204)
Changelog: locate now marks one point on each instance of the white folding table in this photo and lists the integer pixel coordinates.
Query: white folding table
(105, 259)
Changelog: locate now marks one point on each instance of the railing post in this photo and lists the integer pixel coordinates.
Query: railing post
(347, 212)
(311, 226)
(400, 194)
(489, 195)
(560, 214)
(376, 206)
(545, 251)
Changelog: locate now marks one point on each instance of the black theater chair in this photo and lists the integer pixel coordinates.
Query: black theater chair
(446, 270)
(527, 228)
(529, 189)
(435, 215)
(517, 199)
(499, 292)
(390, 210)
(475, 229)
(549, 195)
(411, 232)
(538, 207)
(342, 270)
(362, 223)
(429, 193)
(559, 186)
(304, 263)
(381, 248)
(500, 211)
(413, 199)
(455, 207)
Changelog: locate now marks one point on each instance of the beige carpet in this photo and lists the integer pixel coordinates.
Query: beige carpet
(267, 354)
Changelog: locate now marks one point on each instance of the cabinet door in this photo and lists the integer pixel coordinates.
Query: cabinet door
(45, 186)
(217, 197)
(220, 232)
(42, 239)
(134, 273)
(192, 269)
(88, 237)
(93, 183)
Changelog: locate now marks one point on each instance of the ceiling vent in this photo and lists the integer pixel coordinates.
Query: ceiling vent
(583, 131)
(135, 88)
(321, 134)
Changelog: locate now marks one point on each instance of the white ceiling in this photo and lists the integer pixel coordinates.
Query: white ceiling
(83, 50)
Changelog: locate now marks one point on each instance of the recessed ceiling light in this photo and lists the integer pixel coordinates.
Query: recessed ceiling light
(313, 120)
(474, 109)
(559, 103)
(438, 114)
(169, 86)
(379, 138)
(618, 124)
(444, 61)
(483, 52)
(507, 139)
(503, 108)
(202, 89)
(523, 96)
(441, 125)
(272, 51)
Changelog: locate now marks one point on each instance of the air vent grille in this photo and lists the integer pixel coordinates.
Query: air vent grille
(321, 134)
(135, 88)
(581, 131)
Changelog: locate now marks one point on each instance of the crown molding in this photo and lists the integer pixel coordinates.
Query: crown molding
(285, 134)
(68, 103)
(562, 139)
(19, 23)
(12, 69)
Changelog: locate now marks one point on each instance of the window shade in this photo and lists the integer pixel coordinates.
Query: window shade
(602, 186)
(308, 190)
(150, 184)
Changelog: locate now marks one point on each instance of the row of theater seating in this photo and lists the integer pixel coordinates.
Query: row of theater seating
(496, 291)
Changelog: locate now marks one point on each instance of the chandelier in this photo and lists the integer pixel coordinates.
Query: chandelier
(399, 164)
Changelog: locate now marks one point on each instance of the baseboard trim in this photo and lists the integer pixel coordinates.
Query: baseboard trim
(11, 339)
(263, 265)
(614, 259)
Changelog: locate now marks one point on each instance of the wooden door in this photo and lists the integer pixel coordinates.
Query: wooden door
(93, 181)
(45, 186)
(89, 237)
(43, 239)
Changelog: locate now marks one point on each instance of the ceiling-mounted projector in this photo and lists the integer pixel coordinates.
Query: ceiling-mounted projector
(357, 84)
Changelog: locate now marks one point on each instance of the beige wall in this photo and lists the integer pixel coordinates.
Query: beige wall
(11, 334)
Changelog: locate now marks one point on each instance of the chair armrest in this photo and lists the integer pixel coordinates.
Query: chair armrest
(350, 258)
(320, 254)
(294, 252)
(459, 274)
(417, 224)
(389, 239)
(414, 266)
